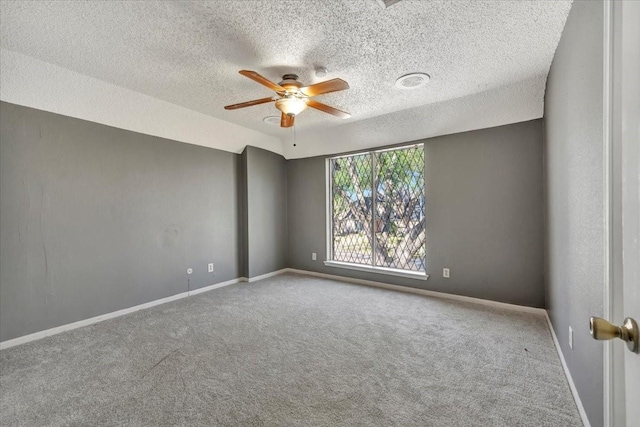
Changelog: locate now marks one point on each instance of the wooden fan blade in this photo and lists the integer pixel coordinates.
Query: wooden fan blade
(327, 109)
(248, 103)
(325, 87)
(262, 80)
(286, 121)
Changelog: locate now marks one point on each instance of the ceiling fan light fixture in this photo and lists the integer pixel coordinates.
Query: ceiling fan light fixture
(291, 106)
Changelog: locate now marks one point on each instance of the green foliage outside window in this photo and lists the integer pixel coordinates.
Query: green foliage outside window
(378, 206)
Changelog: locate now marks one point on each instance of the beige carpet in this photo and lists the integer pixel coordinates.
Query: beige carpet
(293, 350)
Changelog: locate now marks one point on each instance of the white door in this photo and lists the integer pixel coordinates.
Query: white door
(622, 367)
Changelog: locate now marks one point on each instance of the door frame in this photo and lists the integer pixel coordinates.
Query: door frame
(609, 250)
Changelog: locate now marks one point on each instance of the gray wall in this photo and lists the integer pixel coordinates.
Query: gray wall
(95, 219)
(484, 215)
(574, 197)
(266, 219)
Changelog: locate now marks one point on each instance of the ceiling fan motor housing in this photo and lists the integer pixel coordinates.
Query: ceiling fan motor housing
(290, 82)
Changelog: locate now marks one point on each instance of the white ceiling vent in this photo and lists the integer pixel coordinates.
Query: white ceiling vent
(272, 120)
(412, 81)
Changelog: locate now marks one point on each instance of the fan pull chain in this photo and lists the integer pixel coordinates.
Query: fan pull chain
(293, 129)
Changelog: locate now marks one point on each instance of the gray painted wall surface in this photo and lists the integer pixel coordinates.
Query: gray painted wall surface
(484, 215)
(266, 196)
(574, 195)
(95, 219)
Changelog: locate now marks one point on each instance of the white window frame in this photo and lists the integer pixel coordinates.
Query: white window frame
(420, 275)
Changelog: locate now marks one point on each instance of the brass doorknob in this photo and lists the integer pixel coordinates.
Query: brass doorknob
(600, 329)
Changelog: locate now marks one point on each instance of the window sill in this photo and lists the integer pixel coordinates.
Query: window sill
(380, 270)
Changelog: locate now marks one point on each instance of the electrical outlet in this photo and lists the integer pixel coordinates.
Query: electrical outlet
(570, 337)
(210, 267)
(314, 256)
(445, 273)
(189, 270)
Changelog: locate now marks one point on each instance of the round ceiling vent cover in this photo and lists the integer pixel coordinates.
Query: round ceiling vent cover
(272, 120)
(412, 81)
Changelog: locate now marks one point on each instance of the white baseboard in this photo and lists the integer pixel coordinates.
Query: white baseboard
(572, 386)
(425, 292)
(53, 331)
(212, 287)
(92, 320)
(264, 276)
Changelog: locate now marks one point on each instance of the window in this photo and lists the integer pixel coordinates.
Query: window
(377, 211)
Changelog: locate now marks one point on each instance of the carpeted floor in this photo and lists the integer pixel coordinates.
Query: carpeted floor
(293, 350)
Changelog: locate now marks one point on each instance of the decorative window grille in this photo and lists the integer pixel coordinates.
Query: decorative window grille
(378, 208)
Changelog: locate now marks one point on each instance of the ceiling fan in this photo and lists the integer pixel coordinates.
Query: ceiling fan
(292, 97)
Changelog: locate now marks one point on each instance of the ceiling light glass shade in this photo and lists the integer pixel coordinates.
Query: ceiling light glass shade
(291, 106)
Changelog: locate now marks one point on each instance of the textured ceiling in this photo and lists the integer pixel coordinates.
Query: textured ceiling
(189, 53)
